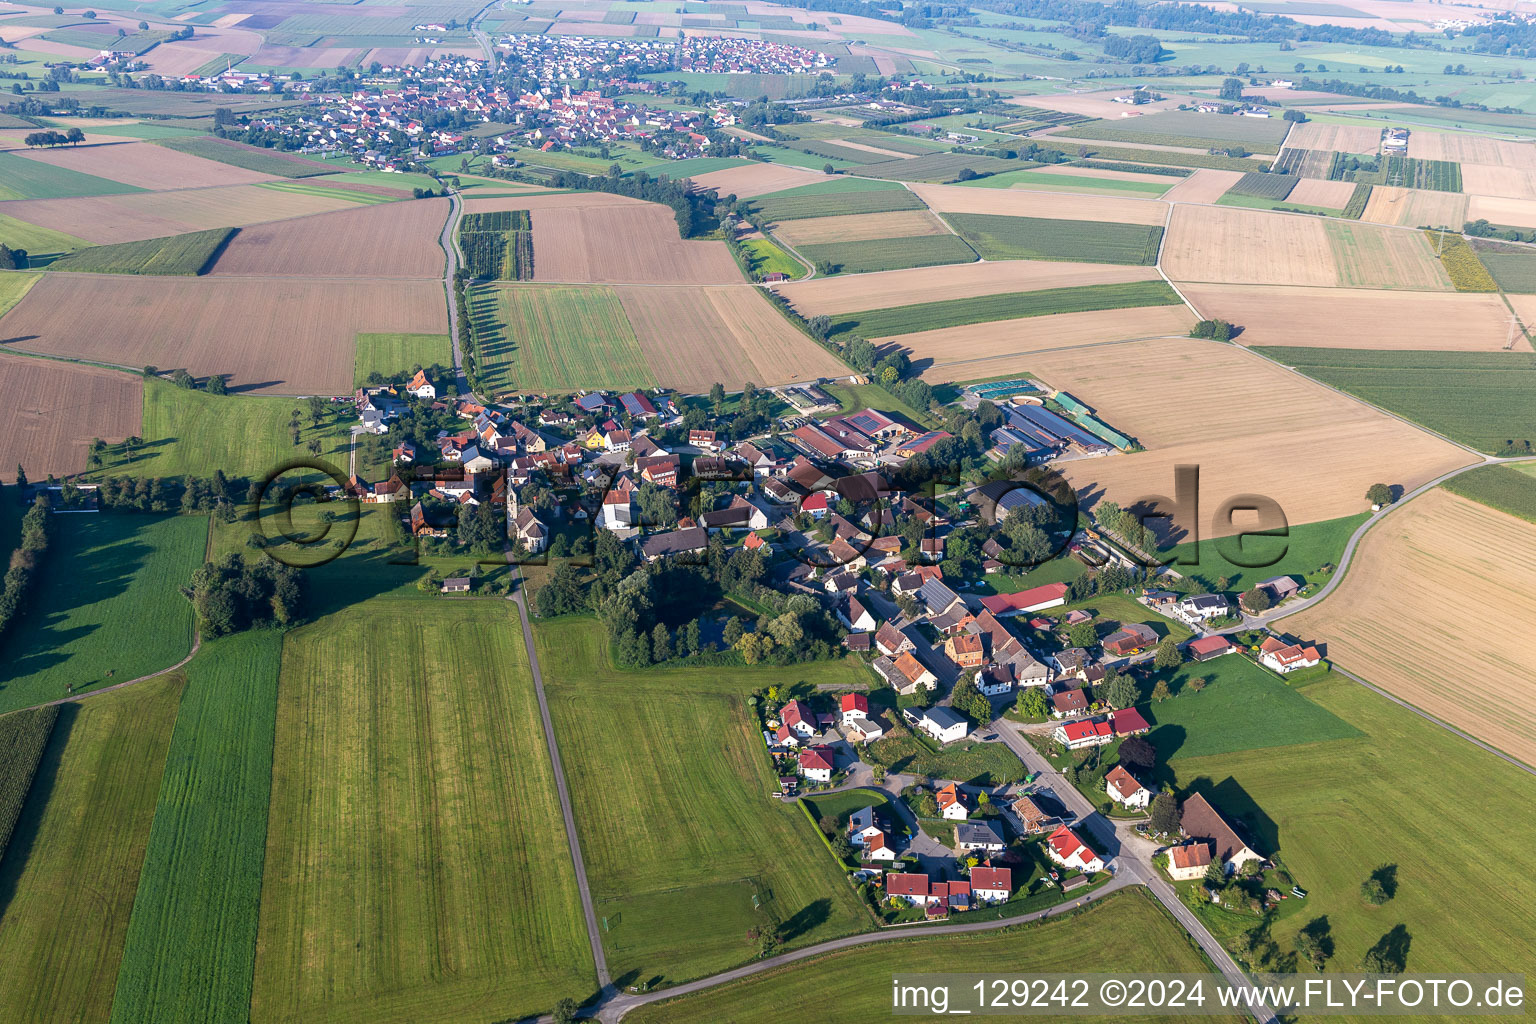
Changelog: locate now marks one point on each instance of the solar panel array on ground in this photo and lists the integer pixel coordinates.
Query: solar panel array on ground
(1002, 389)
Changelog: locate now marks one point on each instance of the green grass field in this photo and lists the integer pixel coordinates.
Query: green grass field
(1124, 932)
(106, 607)
(72, 868)
(1482, 399)
(250, 157)
(416, 865)
(1191, 129)
(928, 316)
(191, 941)
(1304, 549)
(308, 188)
(801, 205)
(1502, 487)
(21, 178)
(836, 185)
(13, 286)
(187, 255)
(763, 257)
(1043, 181)
(556, 338)
(890, 253)
(144, 130)
(1243, 707)
(853, 397)
(935, 167)
(396, 354)
(1264, 186)
(193, 433)
(1513, 272)
(672, 799)
(1033, 238)
(37, 240)
(985, 764)
(1455, 813)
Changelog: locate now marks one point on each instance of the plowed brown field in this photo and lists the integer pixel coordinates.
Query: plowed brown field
(129, 218)
(695, 337)
(275, 335)
(387, 240)
(1471, 149)
(1345, 138)
(146, 165)
(49, 411)
(1251, 426)
(832, 295)
(758, 179)
(1518, 213)
(1358, 318)
(1319, 192)
(1496, 180)
(629, 244)
(1439, 597)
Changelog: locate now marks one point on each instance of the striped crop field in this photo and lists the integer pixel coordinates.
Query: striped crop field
(928, 316)
(998, 237)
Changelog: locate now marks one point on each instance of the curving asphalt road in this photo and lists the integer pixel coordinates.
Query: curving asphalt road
(449, 241)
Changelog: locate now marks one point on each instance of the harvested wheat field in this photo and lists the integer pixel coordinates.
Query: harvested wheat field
(130, 218)
(1492, 180)
(1515, 213)
(1251, 426)
(1229, 244)
(1320, 192)
(979, 351)
(757, 179)
(1091, 104)
(889, 154)
(1358, 318)
(1411, 207)
(833, 295)
(858, 227)
(695, 337)
(636, 243)
(1471, 149)
(1204, 186)
(146, 165)
(1066, 171)
(49, 411)
(1390, 621)
(1053, 205)
(271, 335)
(382, 241)
(1370, 256)
(1342, 138)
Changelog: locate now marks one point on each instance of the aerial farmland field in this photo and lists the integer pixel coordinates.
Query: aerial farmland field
(930, 316)
(392, 355)
(384, 241)
(147, 165)
(187, 255)
(50, 410)
(21, 178)
(632, 243)
(877, 254)
(260, 161)
(1003, 238)
(556, 338)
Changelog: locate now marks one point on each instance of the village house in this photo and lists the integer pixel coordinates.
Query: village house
(1200, 608)
(1280, 588)
(1208, 647)
(945, 725)
(1051, 595)
(951, 803)
(892, 642)
(1065, 848)
(456, 585)
(799, 717)
(1030, 816)
(865, 730)
(1068, 703)
(690, 540)
(1200, 820)
(991, 885)
(1078, 735)
(704, 441)
(1189, 862)
(910, 674)
(1282, 657)
(816, 764)
(855, 616)
(965, 650)
(978, 835)
(1131, 638)
(421, 387)
(1123, 789)
(853, 705)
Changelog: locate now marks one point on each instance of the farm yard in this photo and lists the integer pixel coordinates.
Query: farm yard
(556, 338)
(61, 941)
(268, 335)
(1211, 424)
(676, 875)
(50, 410)
(832, 296)
(1357, 318)
(695, 337)
(1480, 399)
(395, 240)
(456, 864)
(1005, 238)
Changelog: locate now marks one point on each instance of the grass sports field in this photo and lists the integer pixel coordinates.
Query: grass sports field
(21, 178)
(72, 868)
(890, 253)
(106, 609)
(1502, 487)
(252, 159)
(395, 354)
(672, 801)
(556, 338)
(928, 316)
(1482, 399)
(35, 239)
(1304, 549)
(1243, 707)
(1124, 932)
(191, 942)
(416, 865)
(1081, 241)
(1321, 808)
(193, 433)
(799, 203)
(188, 254)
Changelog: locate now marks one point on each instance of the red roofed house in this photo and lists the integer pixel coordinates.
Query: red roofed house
(1033, 600)
(1208, 647)
(1283, 657)
(1123, 789)
(1189, 862)
(965, 650)
(815, 505)
(421, 387)
(952, 803)
(816, 764)
(1068, 703)
(799, 717)
(991, 885)
(912, 888)
(854, 705)
(1130, 638)
(1128, 722)
(1077, 735)
(1063, 847)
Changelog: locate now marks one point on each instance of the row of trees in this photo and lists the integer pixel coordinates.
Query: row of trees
(73, 137)
(36, 533)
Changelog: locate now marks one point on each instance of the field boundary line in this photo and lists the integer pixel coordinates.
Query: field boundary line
(1158, 263)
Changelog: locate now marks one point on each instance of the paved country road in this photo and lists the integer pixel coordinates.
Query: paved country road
(449, 242)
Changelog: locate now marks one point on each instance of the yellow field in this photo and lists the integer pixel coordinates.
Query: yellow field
(757, 179)
(856, 227)
(1358, 318)
(1053, 205)
(1251, 426)
(1345, 138)
(1498, 180)
(1413, 207)
(1436, 610)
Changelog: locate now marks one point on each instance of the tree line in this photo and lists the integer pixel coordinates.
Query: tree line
(36, 534)
(73, 137)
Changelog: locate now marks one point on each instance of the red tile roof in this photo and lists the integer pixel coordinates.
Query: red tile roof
(906, 885)
(1124, 782)
(1128, 721)
(1210, 644)
(1085, 730)
(816, 758)
(855, 702)
(1025, 600)
(992, 878)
